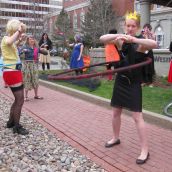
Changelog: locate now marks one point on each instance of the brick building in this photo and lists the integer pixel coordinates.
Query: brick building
(77, 9)
(30, 12)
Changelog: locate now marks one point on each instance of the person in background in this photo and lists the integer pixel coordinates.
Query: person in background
(30, 66)
(111, 55)
(170, 69)
(170, 48)
(149, 70)
(45, 43)
(76, 60)
(127, 92)
(12, 74)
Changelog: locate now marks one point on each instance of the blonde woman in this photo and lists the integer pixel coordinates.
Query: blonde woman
(127, 91)
(12, 74)
(30, 66)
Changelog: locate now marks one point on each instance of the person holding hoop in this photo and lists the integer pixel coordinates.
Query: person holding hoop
(127, 92)
(12, 74)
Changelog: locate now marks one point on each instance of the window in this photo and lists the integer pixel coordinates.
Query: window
(82, 18)
(75, 21)
(159, 36)
(158, 7)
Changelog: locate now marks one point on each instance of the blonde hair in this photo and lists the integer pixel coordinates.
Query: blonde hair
(134, 16)
(27, 40)
(13, 25)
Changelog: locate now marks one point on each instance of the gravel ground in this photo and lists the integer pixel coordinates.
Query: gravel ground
(40, 151)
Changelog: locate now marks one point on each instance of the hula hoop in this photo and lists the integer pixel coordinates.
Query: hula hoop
(85, 67)
(121, 69)
(4, 65)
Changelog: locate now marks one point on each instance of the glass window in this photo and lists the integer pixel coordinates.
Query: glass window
(75, 21)
(159, 36)
(82, 18)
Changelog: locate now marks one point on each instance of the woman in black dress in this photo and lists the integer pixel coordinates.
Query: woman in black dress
(127, 91)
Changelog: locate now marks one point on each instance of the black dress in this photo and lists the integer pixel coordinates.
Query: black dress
(149, 70)
(127, 92)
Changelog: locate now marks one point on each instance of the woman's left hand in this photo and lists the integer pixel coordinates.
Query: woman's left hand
(126, 38)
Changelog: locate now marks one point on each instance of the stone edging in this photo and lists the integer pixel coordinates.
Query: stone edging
(150, 117)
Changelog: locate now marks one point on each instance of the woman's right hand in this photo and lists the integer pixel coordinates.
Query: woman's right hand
(21, 28)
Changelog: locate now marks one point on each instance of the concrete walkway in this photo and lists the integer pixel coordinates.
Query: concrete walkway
(87, 127)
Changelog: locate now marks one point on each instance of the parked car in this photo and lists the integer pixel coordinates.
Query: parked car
(54, 52)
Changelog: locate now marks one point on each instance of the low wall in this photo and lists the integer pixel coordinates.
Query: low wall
(162, 58)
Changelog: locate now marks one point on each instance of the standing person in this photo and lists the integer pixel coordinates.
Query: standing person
(76, 60)
(45, 43)
(12, 74)
(111, 55)
(127, 91)
(149, 70)
(30, 66)
(170, 69)
(170, 48)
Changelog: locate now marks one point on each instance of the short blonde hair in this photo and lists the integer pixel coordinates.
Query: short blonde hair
(13, 25)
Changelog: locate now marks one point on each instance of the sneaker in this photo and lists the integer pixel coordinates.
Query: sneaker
(20, 130)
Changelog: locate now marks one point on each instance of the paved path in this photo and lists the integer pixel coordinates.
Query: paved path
(87, 127)
(57, 63)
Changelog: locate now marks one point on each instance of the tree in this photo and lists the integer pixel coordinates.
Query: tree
(99, 19)
(62, 28)
(63, 23)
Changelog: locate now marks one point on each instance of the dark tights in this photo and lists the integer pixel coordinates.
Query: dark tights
(15, 111)
(43, 66)
(78, 71)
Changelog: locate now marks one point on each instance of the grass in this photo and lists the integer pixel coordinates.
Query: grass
(154, 99)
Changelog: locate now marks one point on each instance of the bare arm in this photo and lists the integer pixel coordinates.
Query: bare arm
(11, 39)
(108, 38)
(145, 44)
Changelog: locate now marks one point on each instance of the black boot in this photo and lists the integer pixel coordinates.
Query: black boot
(10, 124)
(20, 130)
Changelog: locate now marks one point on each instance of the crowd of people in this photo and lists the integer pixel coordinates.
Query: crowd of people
(22, 53)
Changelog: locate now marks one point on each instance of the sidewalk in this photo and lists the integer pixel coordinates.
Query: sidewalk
(87, 127)
(56, 63)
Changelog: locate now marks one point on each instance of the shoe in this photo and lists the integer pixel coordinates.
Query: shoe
(10, 124)
(38, 97)
(26, 99)
(20, 130)
(142, 161)
(109, 145)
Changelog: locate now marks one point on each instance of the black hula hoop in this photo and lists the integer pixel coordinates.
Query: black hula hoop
(121, 69)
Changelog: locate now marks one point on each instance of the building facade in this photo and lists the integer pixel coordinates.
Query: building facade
(30, 12)
(161, 21)
(76, 11)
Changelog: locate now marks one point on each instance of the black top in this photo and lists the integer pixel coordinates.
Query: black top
(129, 56)
(45, 44)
